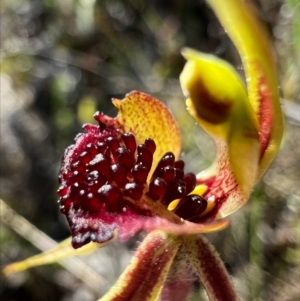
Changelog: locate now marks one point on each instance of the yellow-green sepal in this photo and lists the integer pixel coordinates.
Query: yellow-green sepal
(217, 99)
(61, 251)
(252, 42)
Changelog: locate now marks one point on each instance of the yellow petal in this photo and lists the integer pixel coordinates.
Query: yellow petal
(252, 42)
(145, 116)
(59, 252)
(218, 101)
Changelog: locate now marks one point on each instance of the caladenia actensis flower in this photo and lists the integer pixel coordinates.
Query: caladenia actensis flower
(124, 175)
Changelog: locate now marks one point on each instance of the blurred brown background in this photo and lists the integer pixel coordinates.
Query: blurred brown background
(63, 60)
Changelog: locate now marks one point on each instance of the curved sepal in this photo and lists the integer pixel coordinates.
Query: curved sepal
(208, 266)
(252, 42)
(180, 281)
(143, 279)
(59, 252)
(218, 101)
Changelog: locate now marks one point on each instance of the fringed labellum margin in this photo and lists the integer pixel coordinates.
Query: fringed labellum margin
(109, 179)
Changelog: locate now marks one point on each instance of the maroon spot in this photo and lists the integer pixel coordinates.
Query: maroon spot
(77, 177)
(62, 190)
(94, 186)
(93, 176)
(92, 202)
(77, 194)
(167, 160)
(140, 173)
(85, 157)
(167, 173)
(118, 173)
(113, 144)
(79, 167)
(125, 157)
(179, 164)
(158, 187)
(100, 163)
(90, 128)
(175, 190)
(92, 149)
(111, 196)
(129, 141)
(179, 174)
(103, 148)
(144, 155)
(191, 206)
(151, 144)
(190, 182)
(101, 118)
(64, 204)
(133, 190)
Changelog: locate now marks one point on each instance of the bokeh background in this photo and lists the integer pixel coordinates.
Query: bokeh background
(63, 60)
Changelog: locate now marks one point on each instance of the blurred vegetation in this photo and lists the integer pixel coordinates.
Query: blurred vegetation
(63, 60)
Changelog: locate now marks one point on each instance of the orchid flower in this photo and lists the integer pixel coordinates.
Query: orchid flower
(125, 174)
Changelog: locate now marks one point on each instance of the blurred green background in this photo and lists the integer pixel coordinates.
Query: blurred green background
(63, 60)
